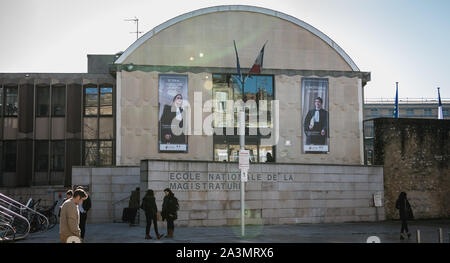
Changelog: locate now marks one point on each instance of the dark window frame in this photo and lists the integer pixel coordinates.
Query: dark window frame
(15, 109)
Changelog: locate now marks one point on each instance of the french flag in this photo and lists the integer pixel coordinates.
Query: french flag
(257, 66)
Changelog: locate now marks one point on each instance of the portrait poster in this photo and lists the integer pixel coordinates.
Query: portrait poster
(315, 117)
(173, 101)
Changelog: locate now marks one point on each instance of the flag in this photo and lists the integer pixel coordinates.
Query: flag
(237, 61)
(257, 66)
(440, 113)
(396, 101)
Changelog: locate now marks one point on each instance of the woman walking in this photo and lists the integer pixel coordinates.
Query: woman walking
(169, 211)
(149, 206)
(405, 211)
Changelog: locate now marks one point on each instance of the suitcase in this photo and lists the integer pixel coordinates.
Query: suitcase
(126, 215)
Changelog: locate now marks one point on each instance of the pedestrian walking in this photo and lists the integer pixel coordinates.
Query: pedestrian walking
(151, 210)
(133, 205)
(69, 224)
(169, 211)
(84, 208)
(406, 213)
(69, 195)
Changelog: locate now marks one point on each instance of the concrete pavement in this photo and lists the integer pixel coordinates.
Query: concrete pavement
(387, 231)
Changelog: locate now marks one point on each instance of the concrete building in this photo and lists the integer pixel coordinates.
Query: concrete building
(115, 117)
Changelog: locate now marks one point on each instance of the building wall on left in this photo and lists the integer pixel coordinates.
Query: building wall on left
(47, 126)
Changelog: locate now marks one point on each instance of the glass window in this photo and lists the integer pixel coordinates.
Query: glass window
(257, 89)
(263, 153)
(58, 100)
(409, 112)
(90, 153)
(42, 101)
(445, 112)
(221, 153)
(374, 112)
(105, 153)
(106, 100)
(11, 101)
(233, 150)
(58, 152)
(427, 112)
(41, 156)
(10, 156)
(90, 100)
(1, 100)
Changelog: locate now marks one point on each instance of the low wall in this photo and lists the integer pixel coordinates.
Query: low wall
(209, 192)
(110, 189)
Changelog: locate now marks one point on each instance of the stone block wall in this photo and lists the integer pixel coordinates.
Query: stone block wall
(110, 189)
(415, 155)
(209, 192)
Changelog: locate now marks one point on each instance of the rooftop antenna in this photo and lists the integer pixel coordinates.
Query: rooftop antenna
(135, 20)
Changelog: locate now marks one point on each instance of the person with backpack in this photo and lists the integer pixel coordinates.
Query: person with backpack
(406, 213)
(149, 206)
(169, 211)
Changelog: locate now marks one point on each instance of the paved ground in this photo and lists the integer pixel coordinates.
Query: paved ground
(387, 231)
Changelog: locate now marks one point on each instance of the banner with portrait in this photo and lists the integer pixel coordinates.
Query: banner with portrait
(315, 117)
(173, 100)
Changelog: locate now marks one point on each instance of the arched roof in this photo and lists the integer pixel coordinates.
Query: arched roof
(227, 8)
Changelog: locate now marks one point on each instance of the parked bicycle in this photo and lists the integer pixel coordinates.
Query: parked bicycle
(49, 213)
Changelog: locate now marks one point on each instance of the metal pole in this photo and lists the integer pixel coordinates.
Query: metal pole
(418, 236)
(440, 236)
(242, 144)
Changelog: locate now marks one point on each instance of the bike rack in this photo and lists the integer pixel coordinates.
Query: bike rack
(17, 209)
(12, 221)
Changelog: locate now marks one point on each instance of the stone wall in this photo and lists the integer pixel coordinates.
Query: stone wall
(209, 192)
(110, 189)
(415, 155)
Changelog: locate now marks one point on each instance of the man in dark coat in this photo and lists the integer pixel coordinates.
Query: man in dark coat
(169, 211)
(133, 205)
(84, 208)
(405, 211)
(149, 206)
(316, 124)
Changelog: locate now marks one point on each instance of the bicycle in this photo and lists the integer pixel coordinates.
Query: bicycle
(49, 213)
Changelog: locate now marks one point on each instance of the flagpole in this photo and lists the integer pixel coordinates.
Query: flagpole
(242, 144)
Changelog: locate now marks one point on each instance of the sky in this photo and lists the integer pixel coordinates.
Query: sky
(405, 41)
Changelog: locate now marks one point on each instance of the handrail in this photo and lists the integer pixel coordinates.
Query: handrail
(114, 206)
(20, 208)
(17, 223)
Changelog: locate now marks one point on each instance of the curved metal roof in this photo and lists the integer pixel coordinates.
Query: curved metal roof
(226, 8)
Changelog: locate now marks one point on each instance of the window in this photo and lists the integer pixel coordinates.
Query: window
(258, 95)
(105, 153)
(226, 149)
(106, 100)
(90, 153)
(58, 152)
(42, 101)
(427, 113)
(374, 112)
(11, 101)
(10, 156)
(445, 112)
(258, 89)
(409, 112)
(58, 100)
(41, 156)
(90, 100)
(1, 100)
(98, 153)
